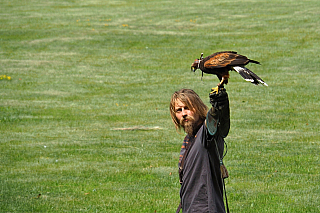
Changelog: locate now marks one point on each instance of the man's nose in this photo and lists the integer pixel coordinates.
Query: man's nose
(184, 112)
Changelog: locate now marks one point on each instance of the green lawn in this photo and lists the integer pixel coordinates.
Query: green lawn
(85, 89)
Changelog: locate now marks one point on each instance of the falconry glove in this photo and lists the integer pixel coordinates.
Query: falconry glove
(219, 100)
(218, 117)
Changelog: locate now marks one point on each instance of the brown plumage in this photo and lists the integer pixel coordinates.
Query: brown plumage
(221, 63)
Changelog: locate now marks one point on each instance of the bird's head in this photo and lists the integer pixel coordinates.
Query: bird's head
(195, 65)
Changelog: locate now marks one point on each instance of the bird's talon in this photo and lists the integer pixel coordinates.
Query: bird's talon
(214, 90)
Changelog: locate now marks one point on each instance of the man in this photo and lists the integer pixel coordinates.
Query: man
(202, 150)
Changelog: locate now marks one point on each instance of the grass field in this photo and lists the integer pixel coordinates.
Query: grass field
(85, 89)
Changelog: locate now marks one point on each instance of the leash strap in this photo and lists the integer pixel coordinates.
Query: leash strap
(224, 174)
(179, 208)
(225, 194)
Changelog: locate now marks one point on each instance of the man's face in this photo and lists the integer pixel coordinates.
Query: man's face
(188, 119)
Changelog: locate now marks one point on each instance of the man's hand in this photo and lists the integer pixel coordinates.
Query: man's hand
(220, 99)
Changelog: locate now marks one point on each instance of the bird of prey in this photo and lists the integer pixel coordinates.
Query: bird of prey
(221, 63)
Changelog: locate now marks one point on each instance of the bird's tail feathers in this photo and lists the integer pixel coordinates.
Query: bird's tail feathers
(248, 75)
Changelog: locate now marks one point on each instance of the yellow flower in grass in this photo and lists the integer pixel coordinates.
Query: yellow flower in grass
(3, 77)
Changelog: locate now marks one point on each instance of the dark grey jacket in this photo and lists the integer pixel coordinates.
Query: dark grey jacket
(202, 188)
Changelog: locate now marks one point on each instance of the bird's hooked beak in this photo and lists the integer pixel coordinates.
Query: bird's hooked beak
(195, 65)
(193, 69)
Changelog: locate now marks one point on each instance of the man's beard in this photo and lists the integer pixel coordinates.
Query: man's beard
(189, 126)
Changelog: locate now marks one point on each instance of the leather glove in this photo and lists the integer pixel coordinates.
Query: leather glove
(220, 100)
(220, 111)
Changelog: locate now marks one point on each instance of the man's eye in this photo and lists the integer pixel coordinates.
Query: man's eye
(178, 110)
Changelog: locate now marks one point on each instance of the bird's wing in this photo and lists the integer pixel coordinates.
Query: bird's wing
(224, 59)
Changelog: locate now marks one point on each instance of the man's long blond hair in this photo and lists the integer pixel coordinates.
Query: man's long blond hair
(191, 100)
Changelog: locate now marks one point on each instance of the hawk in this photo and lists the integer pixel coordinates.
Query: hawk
(221, 63)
